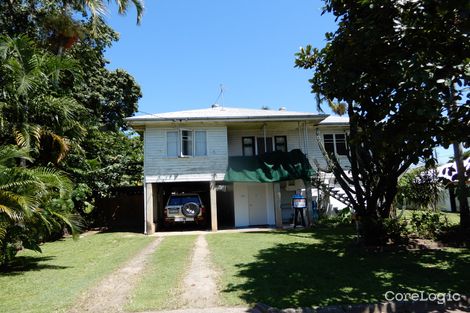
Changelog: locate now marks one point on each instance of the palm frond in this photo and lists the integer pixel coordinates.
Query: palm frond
(73, 221)
(19, 205)
(28, 136)
(96, 7)
(9, 154)
(139, 6)
(55, 68)
(10, 212)
(16, 184)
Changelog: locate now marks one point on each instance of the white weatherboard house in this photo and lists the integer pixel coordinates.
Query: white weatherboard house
(236, 159)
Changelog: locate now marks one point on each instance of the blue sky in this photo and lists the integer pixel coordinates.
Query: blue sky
(185, 49)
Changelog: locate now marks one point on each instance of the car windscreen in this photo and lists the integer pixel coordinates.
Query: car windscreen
(180, 200)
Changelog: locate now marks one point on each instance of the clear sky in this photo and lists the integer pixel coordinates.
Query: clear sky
(185, 49)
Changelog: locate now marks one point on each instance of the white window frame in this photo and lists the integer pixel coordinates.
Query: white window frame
(335, 143)
(191, 140)
(180, 142)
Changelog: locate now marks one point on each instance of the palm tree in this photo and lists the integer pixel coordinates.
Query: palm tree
(31, 106)
(28, 203)
(98, 7)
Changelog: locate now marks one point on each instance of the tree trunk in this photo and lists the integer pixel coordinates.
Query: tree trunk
(453, 205)
(461, 187)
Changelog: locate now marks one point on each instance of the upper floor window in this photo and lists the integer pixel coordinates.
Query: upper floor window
(335, 144)
(261, 145)
(280, 143)
(186, 143)
(248, 146)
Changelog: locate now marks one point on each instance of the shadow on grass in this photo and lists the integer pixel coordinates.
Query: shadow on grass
(335, 271)
(22, 264)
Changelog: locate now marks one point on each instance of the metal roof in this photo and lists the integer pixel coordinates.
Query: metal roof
(219, 113)
(335, 120)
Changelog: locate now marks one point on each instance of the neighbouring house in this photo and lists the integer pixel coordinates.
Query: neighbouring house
(448, 174)
(246, 164)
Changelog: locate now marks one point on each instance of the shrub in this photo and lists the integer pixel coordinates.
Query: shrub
(428, 224)
(397, 230)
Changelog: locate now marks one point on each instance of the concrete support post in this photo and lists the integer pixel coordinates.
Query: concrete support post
(277, 204)
(156, 201)
(149, 209)
(213, 196)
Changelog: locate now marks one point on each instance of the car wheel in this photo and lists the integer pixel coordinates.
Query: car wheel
(190, 209)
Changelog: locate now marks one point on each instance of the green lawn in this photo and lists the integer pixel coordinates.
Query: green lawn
(160, 284)
(284, 269)
(322, 267)
(51, 281)
(452, 218)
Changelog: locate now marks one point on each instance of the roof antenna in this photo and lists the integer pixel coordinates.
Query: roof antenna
(220, 97)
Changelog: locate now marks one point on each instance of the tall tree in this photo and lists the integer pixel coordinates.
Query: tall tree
(380, 68)
(54, 89)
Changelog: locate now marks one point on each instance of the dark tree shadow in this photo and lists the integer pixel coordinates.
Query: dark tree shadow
(336, 271)
(22, 264)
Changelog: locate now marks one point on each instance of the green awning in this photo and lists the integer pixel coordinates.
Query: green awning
(270, 167)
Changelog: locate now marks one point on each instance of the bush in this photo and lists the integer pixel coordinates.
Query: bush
(397, 230)
(428, 224)
(344, 217)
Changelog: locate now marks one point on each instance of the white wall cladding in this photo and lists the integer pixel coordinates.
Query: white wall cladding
(313, 144)
(157, 163)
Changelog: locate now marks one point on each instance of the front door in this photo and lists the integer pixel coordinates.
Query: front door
(257, 204)
(262, 149)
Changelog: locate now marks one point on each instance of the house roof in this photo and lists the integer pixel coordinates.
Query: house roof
(448, 171)
(334, 120)
(219, 113)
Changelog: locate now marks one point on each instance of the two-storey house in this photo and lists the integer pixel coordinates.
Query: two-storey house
(245, 163)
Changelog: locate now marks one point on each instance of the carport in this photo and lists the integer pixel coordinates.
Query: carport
(218, 195)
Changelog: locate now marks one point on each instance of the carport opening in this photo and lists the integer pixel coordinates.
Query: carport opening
(224, 205)
(165, 190)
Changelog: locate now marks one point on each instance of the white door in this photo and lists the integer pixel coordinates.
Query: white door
(257, 204)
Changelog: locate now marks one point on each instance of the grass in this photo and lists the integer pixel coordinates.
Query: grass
(323, 267)
(51, 281)
(160, 286)
(452, 218)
